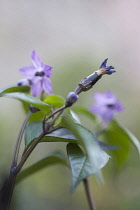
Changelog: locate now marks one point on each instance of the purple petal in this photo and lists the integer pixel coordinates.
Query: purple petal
(107, 105)
(28, 72)
(108, 94)
(100, 98)
(36, 87)
(108, 115)
(47, 69)
(103, 65)
(109, 97)
(119, 107)
(103, 112)
(47, 85)
(109, 72)
(98, 110)
(36, 60)
(109, 68)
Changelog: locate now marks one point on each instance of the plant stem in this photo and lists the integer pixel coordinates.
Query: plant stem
(19, 139)
(11, 183)
(88, 194)
(55, 112)
(35, 143)
(28, 152)
(6, 193)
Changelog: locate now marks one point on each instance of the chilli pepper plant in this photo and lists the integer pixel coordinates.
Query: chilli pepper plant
(50, 119)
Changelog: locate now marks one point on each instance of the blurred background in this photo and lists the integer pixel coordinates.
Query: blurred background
(74, 36)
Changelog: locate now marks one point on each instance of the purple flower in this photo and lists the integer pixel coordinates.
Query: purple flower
(38, 74)
(107, 105)
(107, 68)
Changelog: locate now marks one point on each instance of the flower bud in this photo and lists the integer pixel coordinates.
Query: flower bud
(34, 109)
(24, 82)
(71, 99)
(88, 82)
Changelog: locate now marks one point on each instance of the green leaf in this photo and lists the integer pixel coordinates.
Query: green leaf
(116, 135)
(132, 138)
(81, 165)
(84, 111)
(54, 158)
(97, 157)
(34, 129)
(55, 100)
(28, 99)
(37, 116)
(99, 177)
(60, 135)
(106, 146)
(23, 89)
(74, 116)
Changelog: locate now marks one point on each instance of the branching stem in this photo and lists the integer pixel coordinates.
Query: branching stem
(35, 143)
(15, 167)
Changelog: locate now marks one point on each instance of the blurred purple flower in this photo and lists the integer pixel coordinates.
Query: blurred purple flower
(38, 74)
(107, 105)
(107, 68)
